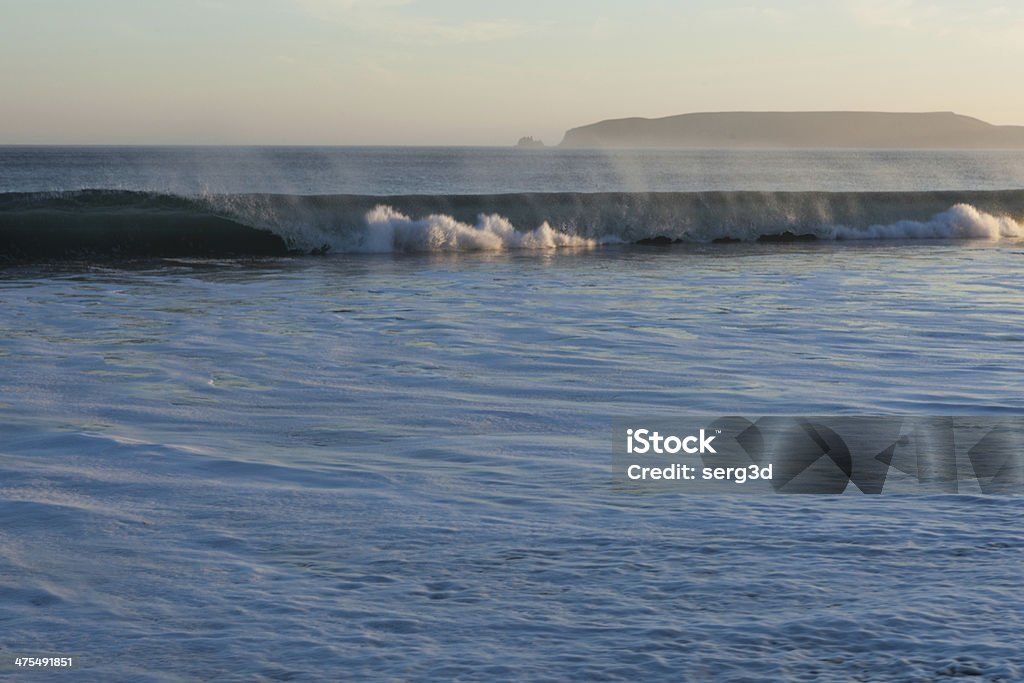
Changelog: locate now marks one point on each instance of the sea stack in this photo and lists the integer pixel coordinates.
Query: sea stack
(529, 141)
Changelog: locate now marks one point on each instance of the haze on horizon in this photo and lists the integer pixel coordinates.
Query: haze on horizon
(456, 72)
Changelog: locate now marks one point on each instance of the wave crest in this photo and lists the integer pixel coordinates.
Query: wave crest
(961, 221)
(451, 223)
(388, 230)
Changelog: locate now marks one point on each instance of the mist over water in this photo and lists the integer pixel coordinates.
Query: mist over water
(192, 171)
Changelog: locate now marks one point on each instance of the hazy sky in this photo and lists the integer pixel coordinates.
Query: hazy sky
(481, 72)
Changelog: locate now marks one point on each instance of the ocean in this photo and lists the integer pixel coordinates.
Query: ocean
(346, 413)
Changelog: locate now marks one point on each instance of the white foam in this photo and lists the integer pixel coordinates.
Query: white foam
(389, 230)
(319, 224)
(961, 221)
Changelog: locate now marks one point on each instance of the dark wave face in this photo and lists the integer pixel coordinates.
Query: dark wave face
(118, 224)
(126, 224)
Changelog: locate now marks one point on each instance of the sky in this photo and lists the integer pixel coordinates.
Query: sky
(473, 72)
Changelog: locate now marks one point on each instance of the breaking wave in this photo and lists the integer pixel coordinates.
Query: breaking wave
(389, 230)
(123, 224)
(962, 221)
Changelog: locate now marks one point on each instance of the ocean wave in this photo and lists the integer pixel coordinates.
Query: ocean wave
(139, 225)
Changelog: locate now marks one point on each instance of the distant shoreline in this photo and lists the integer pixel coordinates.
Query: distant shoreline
(798, 130)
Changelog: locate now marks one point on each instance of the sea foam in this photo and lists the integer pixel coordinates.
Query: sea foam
(961, 221)
(389, 230)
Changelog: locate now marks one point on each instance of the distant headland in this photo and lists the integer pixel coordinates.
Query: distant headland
(799, 130)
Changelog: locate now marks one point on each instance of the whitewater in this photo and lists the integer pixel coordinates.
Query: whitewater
(328, 414)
